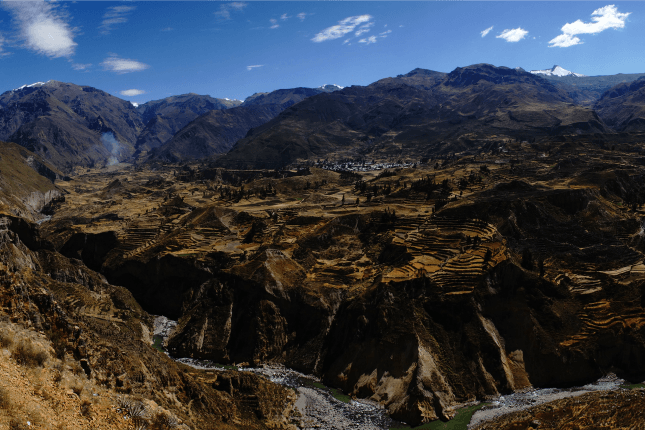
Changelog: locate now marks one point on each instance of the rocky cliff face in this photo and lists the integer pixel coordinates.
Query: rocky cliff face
(103, 330)
(26, 182)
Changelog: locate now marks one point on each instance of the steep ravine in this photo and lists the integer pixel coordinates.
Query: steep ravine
(418, 355)
(407, 345)
(321, 407)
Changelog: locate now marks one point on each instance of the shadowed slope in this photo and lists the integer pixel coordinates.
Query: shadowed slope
(214, 133)
(418, 114)
(26, 181)
(165, 117)
(623, 106)
(64, 123)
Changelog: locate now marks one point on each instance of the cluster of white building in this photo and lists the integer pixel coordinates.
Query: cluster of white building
(362, 166)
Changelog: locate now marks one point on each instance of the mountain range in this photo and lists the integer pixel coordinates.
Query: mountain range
(418, 114)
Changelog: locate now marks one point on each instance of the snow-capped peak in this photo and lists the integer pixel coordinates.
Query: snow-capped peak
(556, 71)
(35, 84)
(330, 87)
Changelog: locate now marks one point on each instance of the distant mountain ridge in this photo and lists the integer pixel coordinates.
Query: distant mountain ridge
(623, 106)
(163, 118)
(423, 111)
(584, 90)
(216, 132)
(72, 125)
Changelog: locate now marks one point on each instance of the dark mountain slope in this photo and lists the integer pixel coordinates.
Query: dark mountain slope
(26, 181)
(623, 106)
(163, 118)
(284, 98)
(421, 78)
(70, 125)
(434, 115)
(217, 131)
(214, 133)
(587, 90)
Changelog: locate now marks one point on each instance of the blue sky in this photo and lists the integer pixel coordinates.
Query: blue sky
(148, 50)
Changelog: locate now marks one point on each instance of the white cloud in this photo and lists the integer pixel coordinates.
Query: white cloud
(364, 28)
(302, 16)
(284, 17)
(603, 19)
(274, 23)
(346, 42)
(224, 12)
(43, 27)
(122, 65)
(385, 33)
(249, 68)
(564, 41)
(167, 29)
(369, 40)
(485, 32)
(81, 67)
(115, 15)
(345, 26)
(513, 35)
(133, 92)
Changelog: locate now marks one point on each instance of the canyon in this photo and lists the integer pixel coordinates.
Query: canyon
(423, 245)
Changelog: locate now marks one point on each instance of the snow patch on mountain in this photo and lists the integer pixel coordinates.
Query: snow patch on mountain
(134, 104)
(557, 71)
(330, 87)
(35, 84)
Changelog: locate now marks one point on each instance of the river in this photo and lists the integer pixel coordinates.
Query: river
(320, 407)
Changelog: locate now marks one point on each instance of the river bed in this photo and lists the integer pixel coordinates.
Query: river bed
(320, 407)
(518, 401)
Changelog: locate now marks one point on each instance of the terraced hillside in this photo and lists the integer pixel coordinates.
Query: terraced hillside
(420, 287)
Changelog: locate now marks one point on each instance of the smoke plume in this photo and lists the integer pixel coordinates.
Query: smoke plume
(112, 145)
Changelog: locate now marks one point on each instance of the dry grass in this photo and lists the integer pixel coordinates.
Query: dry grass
(39, 385)
(28, 353)
(16, 424)
(5, 398)
(78, 387)
(26, 347)
(76, 368)
(6, 337)
(163, 421)
(86, 408)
